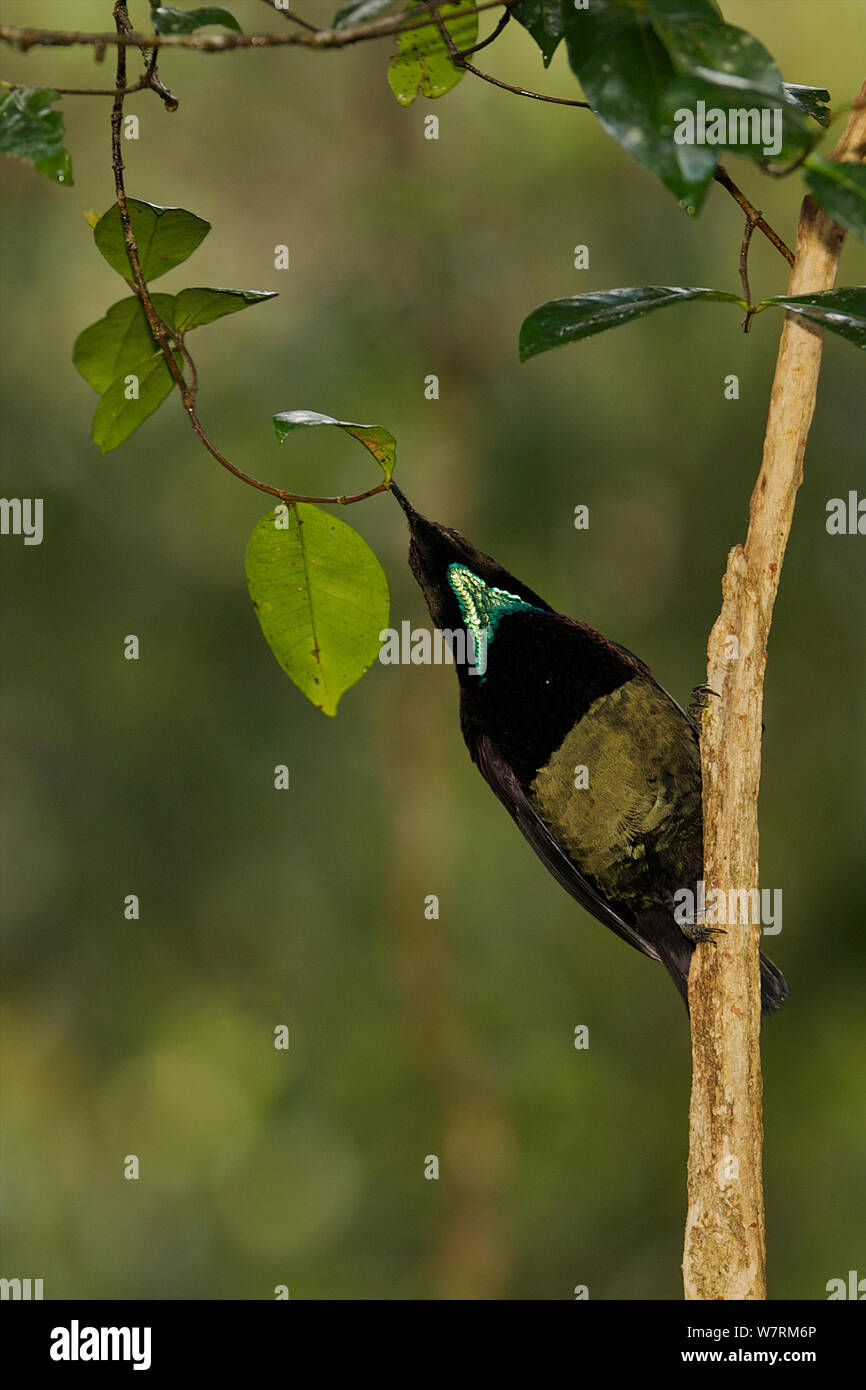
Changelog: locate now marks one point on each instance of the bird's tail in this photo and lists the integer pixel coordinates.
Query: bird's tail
(676, 954)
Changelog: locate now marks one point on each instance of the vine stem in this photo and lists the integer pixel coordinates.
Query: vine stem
(168, 343)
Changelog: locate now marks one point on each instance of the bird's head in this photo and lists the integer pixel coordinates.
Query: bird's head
(462, 586)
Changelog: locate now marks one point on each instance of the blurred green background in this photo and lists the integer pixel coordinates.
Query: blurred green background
(306, 908)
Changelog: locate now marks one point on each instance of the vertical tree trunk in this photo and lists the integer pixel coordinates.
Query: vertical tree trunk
(724, 1254)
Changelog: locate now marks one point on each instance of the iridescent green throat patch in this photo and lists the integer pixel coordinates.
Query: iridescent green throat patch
(481, 606)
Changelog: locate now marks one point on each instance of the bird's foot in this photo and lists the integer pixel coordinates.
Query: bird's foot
(693, 932)
(700, 700)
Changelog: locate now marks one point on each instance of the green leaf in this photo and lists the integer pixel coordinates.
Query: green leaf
(645, 64)
(812, 101)
(380, 442)
(840, 188)
(119, 343)
(195, 307)
(583, 315)
(360, 12)
(422, 65)
(697, 39)
(625, 71)
(30, 130)
(543, 19)
(676, 14)
(169, 20)
(841, 311)
(321, 598)
(730, 71)
(165, 237)
(116, 417)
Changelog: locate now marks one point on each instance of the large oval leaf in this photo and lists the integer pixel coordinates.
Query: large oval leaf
(321, 598)
(625, 71)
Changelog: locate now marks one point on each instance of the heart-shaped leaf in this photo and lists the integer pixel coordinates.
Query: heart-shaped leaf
(164, 236)
(119, 343)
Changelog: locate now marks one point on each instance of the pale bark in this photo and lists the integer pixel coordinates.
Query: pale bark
(724, 1254)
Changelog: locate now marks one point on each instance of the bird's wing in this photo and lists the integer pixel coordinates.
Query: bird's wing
(501, 777)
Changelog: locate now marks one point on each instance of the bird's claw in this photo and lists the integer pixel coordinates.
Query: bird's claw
(700, 701)
(696, 933)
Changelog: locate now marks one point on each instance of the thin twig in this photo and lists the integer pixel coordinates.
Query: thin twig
(155, 82)
(458, 58)
(168, 344)
(751, 224)
(82, 91)
(292, 17)
(788, 169)
(723, 177)
(476, 47)
(149, 81)
(521, 91)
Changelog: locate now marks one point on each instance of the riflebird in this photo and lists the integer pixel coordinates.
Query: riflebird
(597, 764)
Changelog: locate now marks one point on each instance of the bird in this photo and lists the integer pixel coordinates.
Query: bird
(598, 766)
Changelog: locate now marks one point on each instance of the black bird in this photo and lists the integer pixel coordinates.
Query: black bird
(548, 696)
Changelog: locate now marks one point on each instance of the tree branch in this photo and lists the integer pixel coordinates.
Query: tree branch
(222, 43)
(724, 1255)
